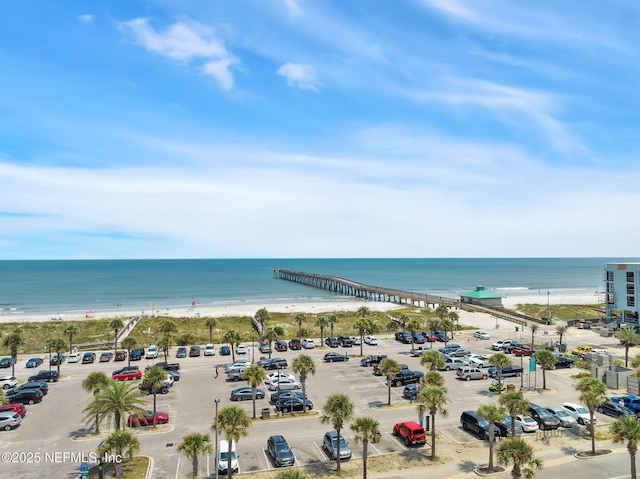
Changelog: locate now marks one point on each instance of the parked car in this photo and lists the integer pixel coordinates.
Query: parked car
(481, 335)
(14, 407)
(371, 340)
(411, 391)
(173, 375)
(458, 353)
(372, 359)
(528, 423)
(295, 345)
(505, 426)
(241, 349)
(57, 359)
(285, 394)
(6, 363)
(281, 346)
(332, 342)
(35, 362)
(580, 413)
(292, 404)
(406, 376)
(308, 343)
(333, 357)
(470, 421)
(88, 358)
(152, 352)
(125, 368)
(146, 388)
(181, 352)
(497, 385)
(237, 364)
(478, 361)
(451, 364)
(119, 356)
(507, 371)
(265, 347)
(136, 420)
(224, 461)
(546, 421)
(45, 375)
(410, 432)
(165, 365)
(468, 373)
(128, 375)
(137, 354)
(449, 348)
(404, 337)
(240, 394)
(236, 374)
(7, 382)
(280, 451)
(225, 350)
(209, 350)
(41, 385)
(500, 344)
(26, 396)
(563, 361)
(508, 348)
(279, 374)
(330, 445)
(566, 419)
(273, 363)
(356, 340)
(523, 351)
(283, 383)
(614, 409)
(194, 351)
(9, 420)
(378, 372)
(105, 357)
(430, 336)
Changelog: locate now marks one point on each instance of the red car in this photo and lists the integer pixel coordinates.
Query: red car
(15, 407)
(524, 351)
(295, 345)
(135, 420)
(430, 337)
(128, 375)
(120, 356)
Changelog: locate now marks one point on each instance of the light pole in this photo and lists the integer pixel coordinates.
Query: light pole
(217, 401)
(49, 349)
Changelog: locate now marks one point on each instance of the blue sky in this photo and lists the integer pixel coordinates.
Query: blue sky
(299, 128)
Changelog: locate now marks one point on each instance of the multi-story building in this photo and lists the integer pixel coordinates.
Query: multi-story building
(622, 290)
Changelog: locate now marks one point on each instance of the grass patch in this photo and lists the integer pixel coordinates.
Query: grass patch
(560, 312)
(134, 469)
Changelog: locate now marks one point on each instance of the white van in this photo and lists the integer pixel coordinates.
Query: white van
(223, 457)
(152, 352)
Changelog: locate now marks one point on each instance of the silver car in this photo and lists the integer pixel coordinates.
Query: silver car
(9, 420)
(330, 445)
(566, 419)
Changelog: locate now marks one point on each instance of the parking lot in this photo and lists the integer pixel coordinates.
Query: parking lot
(56, 424)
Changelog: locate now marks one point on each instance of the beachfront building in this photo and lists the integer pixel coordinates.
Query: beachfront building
(622, 287)
(482, 297)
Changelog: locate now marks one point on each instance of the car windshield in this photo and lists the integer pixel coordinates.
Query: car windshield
(483, 423)
(562, 413)
(224, 455)
(582, 410)
(282, 448)
(528, 419)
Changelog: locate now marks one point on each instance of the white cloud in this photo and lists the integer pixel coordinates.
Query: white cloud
(188, 42)
(301, 76)
(86, 18)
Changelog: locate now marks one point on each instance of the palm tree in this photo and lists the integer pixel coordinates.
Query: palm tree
(442, 312)
(635, 364)
(534, 328)
(129, 343)
(432, 378)
(389, 367)
(337, 410)
(58, 345)
(518, 452)
(491, 413)
(234, 423)
(114, 401)
(70, 331)
(194, 445)
(270, 336)
(300, 318)
(155, 378)
(116, 325)
(322, 322)
(122, 444)
(165, 344)
(500, 361)
(627, 428)
(628, 338)
(547, 360)
(515, 403)
(303, 365)
(13, 341)
(3, 397)
(364, 325)
(211, 323)
(561, 330)
(455, 320)
(363, 312)
(262, 315)
(92, 384)
(434, 398)
(432, 360)
(593, 394)
(447, 325)
(413, 326)
(366, 429)
(333, 319)
(255, 375)
(232, 337)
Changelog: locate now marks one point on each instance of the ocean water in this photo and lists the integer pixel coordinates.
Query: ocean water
(76, 286)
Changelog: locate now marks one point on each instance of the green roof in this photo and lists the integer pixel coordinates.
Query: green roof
(481, 293)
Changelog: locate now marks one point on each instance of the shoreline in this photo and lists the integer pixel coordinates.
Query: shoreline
(310, 306)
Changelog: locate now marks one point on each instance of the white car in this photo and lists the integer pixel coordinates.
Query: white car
(371, 340)
(479, 361)
(356, 340)
(579, 413)
(8, 382)
(308, 343)
(241, 349)
(481, 335)
(209, 350)
(284, 383)
(236, 365)
(528, 423)
(74, 357)
(152, 352)
(500, 344)
(274, 376)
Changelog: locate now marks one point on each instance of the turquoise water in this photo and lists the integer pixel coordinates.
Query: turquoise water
(76, 286)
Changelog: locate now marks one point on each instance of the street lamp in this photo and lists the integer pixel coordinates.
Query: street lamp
(217, 401)
(49, 349)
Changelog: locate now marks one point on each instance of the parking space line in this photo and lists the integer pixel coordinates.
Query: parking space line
(178, 467)
(266, 457)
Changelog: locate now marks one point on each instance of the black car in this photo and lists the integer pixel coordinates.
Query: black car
(404, 337)
(333, 357)
(34, 362)
(507, 371)
(280, 451)
(411, 391)
(194, 351)
(291, 404)
(286, 393)
(345, 341)
(514, 345)
(472, 422)
(175, 375)
(126, 368)
(418, 338)
(41, 385)
(240, 394)
(273, 363)
(27, 396)
(280, 346)
(166, 366)
(137, 354)
(449, 348)
(45, 375)
(88, 358)
(505, 427)
(332, 342)
(406, 376)
(563, 361)
(378, 372)
(373, 359)
(6, 362)
(614, 409)
(546, 421)
(57, 359)
(146, 387)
